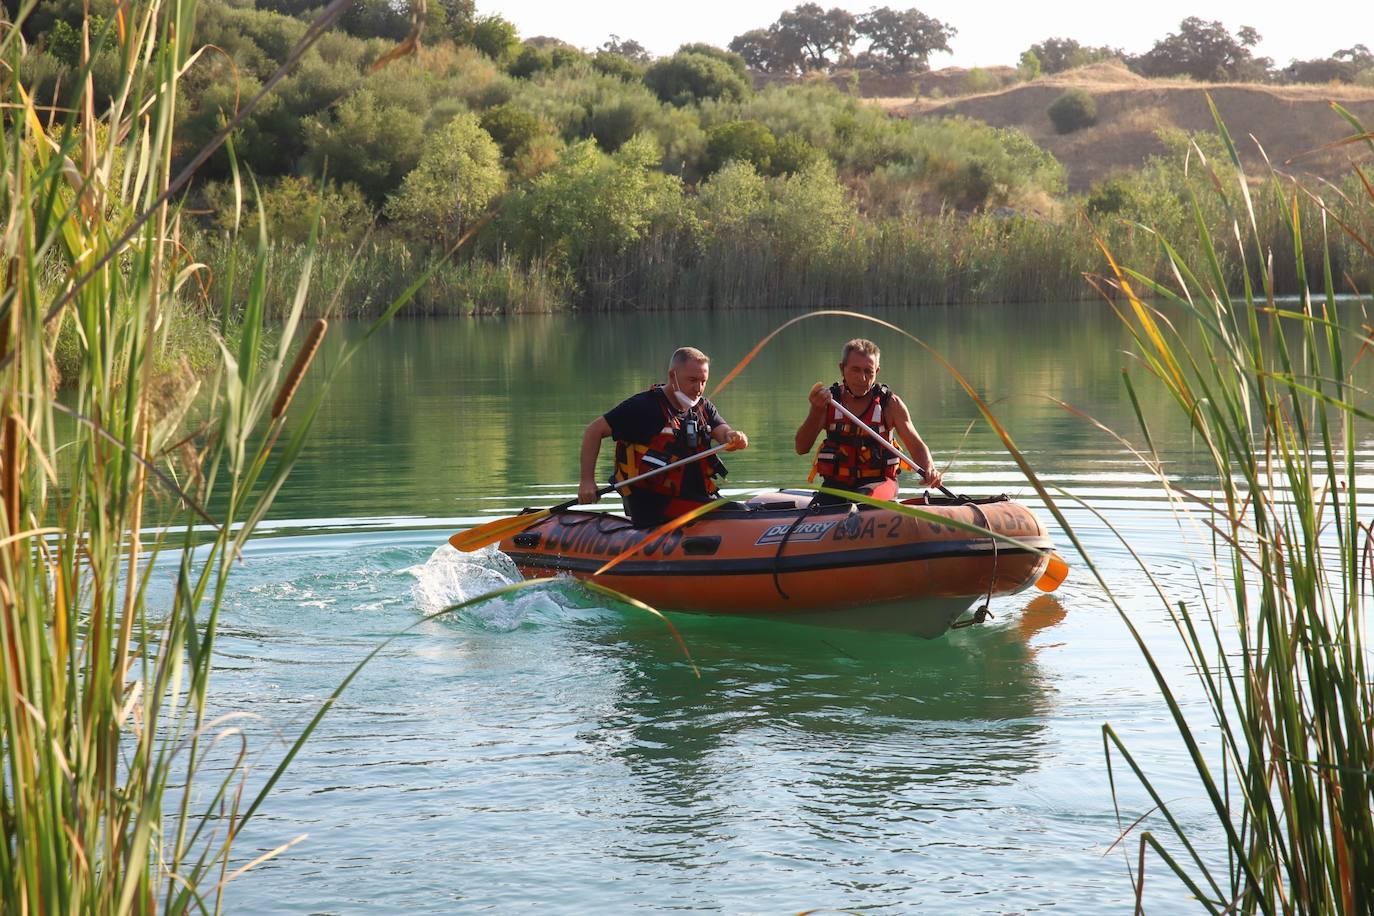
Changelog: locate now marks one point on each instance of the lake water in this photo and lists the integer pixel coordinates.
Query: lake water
(547, 752)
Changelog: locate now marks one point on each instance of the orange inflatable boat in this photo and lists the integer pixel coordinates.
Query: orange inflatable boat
(850, 565)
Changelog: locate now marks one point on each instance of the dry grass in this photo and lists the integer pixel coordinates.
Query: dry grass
(1291, 123)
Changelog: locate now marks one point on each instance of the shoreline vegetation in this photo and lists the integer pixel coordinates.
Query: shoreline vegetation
(753, 176)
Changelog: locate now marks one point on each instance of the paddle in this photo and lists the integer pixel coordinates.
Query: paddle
(502, 528)
(881, 440)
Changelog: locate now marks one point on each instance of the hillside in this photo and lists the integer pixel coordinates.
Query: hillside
(1291, 123)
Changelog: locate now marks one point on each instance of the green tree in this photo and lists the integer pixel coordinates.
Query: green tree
(794, 154)
(621, 68)
(817, 33)
(458, 175)
(733, 201)
(741, 141)
(810, 212)
(496, 38)
(684, 79)
(627, 48)
(513, 128)
(459, 17)
(759, 49)
(902, 41)
(1059, 54)
(735, 61)
(1343, 66)
(365, 142)
(1028, 67)
(1205, 51)
(591, 204)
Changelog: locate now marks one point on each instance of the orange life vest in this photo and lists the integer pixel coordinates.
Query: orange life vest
(684, 434)
(848, 456)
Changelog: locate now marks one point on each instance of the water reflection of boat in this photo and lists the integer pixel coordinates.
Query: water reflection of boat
(850, 565)
(879, 736)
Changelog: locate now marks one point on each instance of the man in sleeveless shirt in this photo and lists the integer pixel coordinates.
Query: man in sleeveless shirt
(655, 428)
(849, 459)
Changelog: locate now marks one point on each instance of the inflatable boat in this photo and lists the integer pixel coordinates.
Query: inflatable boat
(782, 555)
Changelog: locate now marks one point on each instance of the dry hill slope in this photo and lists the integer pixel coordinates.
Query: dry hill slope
(1291, 123)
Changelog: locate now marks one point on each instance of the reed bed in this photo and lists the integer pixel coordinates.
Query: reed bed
(1283, 755)
(361, 281)
(109, 801)
(945, 259)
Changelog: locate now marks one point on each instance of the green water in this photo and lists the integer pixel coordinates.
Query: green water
(547, 752)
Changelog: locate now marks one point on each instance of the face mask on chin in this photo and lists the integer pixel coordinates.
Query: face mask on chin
(686, 402)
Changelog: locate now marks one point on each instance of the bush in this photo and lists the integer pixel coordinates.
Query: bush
(590, 203)
(496, 38)
(512, 128)
(617, 66)
(793, 154)
(1072, 111)
(690, 77)
(289, 205)
(459, 173)
(741, 141)
(369, 144)
(980, 80)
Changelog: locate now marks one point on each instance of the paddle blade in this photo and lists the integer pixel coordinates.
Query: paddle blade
(1056, 571)
(499, 530)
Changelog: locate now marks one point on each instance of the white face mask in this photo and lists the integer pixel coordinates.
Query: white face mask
(685, 401)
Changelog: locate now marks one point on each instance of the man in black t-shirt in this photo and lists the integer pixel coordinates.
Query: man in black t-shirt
(655, 428)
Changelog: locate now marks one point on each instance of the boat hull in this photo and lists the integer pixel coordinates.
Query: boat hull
(849, 565)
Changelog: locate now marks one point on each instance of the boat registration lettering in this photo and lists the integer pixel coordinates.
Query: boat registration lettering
(857, 527)
(806, 531)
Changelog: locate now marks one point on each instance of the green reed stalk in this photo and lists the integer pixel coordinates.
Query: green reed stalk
(104, 697)
(1270, 392)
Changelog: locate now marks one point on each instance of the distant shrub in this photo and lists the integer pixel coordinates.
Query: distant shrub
(794, 154)
(290, 205)
(690, 77)
(741, 141)
(617, 66)
(1073, 111)
(530, 60)
(458, 174)
(730, 58)
(512, 128)
(496, 38)
(980, 80)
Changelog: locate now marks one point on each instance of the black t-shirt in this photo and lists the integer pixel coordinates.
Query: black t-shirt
(638, 419)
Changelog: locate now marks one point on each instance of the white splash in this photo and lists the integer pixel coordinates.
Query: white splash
(449, 577)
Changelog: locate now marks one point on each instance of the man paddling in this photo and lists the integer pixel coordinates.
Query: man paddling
(655, 428)
(848, 458)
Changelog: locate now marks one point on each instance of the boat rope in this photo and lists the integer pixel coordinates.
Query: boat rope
(984, 611)
(777, 555)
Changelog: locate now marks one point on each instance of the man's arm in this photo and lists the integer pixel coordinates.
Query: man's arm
(596, 430)
(900, 419)
(721, 432)
(815, 420)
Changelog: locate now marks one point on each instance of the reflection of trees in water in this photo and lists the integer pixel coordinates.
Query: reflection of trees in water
(432, 417)
(827, 731)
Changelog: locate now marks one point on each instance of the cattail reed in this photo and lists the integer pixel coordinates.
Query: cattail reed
(299, 367)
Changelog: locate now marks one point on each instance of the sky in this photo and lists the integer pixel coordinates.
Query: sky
(990, 32)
